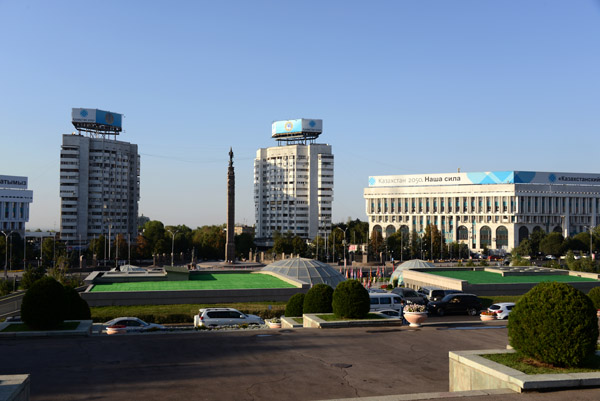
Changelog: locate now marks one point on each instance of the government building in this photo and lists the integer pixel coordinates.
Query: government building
(99, 179)
(14, 204)
(496, 209)
(293, 182)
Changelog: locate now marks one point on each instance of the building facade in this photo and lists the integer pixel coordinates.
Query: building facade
(496, 210)
(293, 188)
(14, 203)
(99, 185)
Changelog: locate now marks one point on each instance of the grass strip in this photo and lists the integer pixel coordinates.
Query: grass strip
(482, 277)
(530, 367)
(22, 327)
(182, 313)
(217, 281)
(334, 318)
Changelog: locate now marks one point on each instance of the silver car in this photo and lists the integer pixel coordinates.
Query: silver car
(131, 324)
(502, 309)
(214, 317)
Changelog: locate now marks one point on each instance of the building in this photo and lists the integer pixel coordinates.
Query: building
(293, 182)
(494, 209)
(14, 203)
(99, 179)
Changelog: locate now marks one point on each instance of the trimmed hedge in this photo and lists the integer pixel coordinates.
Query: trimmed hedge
(594, 295)
(318, 299)
(44, 304)
(77, 307)
(294, 307)
(554, 323)
(351, 300)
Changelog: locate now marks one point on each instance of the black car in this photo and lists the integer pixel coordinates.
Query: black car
(455, 304)
(410, 295)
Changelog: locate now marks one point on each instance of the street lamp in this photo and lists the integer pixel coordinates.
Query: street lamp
(6, 254)
(344, 244)
(172, 244)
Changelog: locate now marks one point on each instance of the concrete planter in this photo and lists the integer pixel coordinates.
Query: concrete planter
(486, 318)
(274, 325)
(415, 318)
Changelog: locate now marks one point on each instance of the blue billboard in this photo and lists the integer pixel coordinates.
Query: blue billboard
(98, 117)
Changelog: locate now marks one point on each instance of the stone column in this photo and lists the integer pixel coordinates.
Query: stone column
(230, 244)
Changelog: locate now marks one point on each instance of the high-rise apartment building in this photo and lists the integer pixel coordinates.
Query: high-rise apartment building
(293, 182)
(99, 179)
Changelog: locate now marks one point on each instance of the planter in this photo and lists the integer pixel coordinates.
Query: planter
(598, 313)
(415, 318)
(486, 318)
(273, 325)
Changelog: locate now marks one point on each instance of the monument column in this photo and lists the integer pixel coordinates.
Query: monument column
(230, 244)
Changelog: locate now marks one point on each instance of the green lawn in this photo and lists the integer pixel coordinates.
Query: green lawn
(232, 281)
(523, 364)
(481, 277)
(19, 327)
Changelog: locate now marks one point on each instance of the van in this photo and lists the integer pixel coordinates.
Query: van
(436, 293)
(385, 301)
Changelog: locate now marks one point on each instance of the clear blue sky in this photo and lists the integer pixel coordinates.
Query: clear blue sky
(403, 87)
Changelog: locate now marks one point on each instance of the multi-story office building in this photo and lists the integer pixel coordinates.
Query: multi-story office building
(99, 179)
(293, 182)
(14, 203)
(493, 209)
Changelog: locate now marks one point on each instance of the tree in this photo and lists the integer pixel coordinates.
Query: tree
(244, 243)
(535, 239)
(376, 244)
(524, 249)
(552, 244)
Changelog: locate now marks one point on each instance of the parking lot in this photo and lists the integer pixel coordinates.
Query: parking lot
(303, 364)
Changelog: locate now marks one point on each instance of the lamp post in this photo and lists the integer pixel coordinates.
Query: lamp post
(6, 254)
(344, 244)
(172, 244)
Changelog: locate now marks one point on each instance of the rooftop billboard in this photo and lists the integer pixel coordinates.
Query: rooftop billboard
(490, 177)
(296, 127)
(98, 117)
(11, 181)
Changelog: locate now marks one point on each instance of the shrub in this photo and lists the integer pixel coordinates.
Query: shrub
(294, 305)
(31, 275)
(318, 299)
(395, 282)
(594, 295)
(77, 307)
(44, 304)
(6, 286)
(554, 323)
(351, 300)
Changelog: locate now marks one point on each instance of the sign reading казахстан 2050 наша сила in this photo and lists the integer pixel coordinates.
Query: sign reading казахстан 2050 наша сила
(490, 177)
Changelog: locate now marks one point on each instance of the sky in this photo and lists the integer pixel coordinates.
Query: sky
(402, 87)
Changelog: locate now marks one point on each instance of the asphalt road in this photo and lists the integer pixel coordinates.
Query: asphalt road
(302, 364)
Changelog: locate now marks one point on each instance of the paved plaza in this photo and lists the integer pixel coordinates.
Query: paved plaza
(303, 364)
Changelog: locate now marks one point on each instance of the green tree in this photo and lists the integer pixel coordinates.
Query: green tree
(535, 239)
(523, 249)
(244, 243)
(552, 244)
(376, 245)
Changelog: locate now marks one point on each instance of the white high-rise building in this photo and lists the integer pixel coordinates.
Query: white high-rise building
(293, 183)
(99, 179)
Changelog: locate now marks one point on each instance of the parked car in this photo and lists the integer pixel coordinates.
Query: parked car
(410, 295)
(214, 317)
(385, 301)
(436, 293)
(131, 324)
(391, 313)
(455, 304)
(502, 309)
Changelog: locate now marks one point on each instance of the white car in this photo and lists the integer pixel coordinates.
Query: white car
(214, 317)
(502, 309)
(131, 324)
